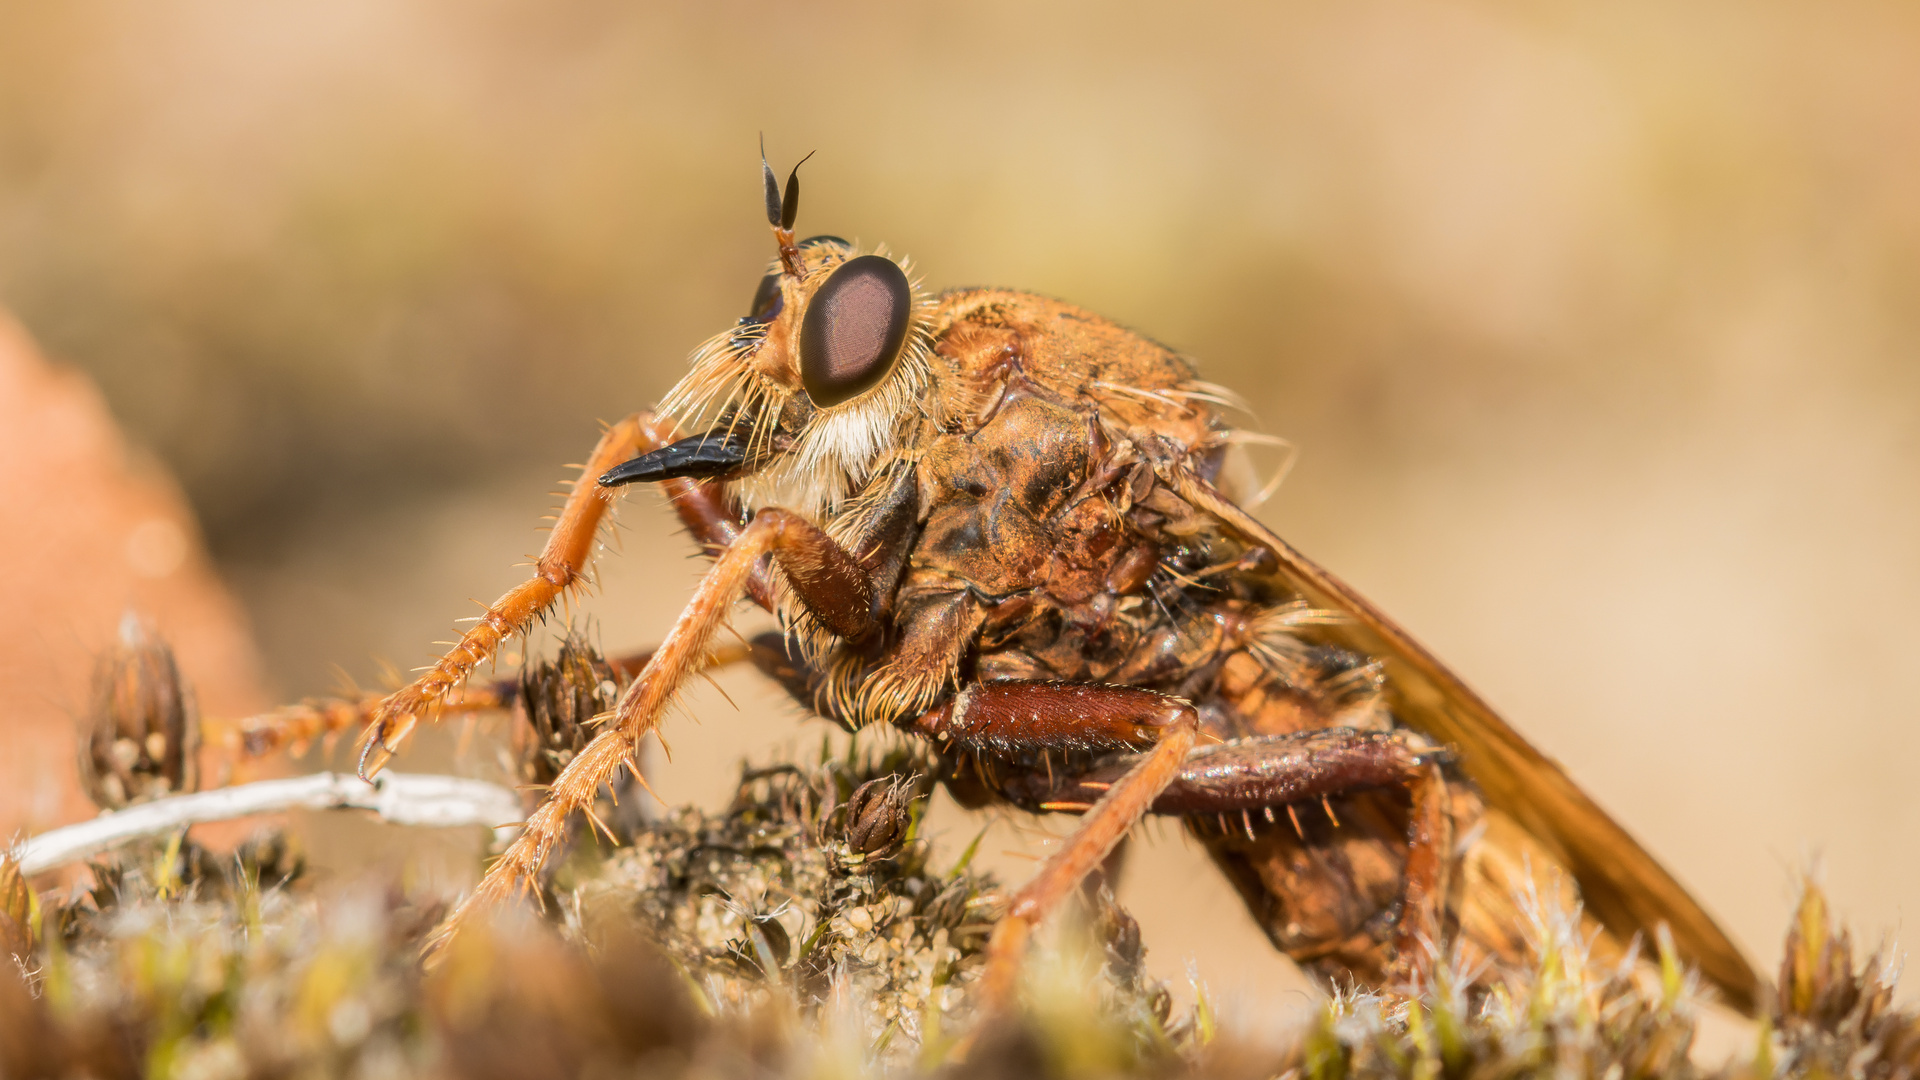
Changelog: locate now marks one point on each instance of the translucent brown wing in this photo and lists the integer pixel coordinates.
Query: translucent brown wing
(1623, 886)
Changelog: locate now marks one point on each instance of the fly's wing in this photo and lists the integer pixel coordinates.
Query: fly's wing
(1622, 885)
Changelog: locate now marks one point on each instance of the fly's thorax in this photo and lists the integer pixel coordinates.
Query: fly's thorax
(995, 339)
(991, 495)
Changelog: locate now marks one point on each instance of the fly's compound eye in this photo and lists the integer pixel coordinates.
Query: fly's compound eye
(767, 301)
(855, 327)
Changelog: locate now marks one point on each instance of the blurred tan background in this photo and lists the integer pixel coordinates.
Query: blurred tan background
(1598, 327)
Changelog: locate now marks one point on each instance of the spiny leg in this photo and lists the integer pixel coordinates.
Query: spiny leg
(1417, 940)
(713, 519)
(823, 577)
(1253, 775)
(1256, 776)
(1042, 718)
(292, 727)
(1103, 827)
(703, 507)
(561, 564)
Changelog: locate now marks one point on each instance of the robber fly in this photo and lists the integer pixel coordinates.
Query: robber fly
(998, 522)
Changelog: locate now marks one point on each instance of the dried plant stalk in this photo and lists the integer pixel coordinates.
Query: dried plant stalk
(401, 798)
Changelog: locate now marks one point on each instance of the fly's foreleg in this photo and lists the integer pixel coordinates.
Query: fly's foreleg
(823, 576)
(703, 508)
(1029, 719)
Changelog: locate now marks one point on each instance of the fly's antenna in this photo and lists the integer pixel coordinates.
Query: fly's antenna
(783, 209)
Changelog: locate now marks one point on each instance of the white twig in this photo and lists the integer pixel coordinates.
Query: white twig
(402, 798)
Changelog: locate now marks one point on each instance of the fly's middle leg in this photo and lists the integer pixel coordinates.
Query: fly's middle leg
(1025, 721)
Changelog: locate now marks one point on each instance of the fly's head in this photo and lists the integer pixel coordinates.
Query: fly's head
(827, 375)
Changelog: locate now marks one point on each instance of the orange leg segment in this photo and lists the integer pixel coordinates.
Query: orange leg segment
(1429, 863)
(1101, 830)
(293, 727)
(796, 545)
(561, 565)
(1256, 776)
(703, 507)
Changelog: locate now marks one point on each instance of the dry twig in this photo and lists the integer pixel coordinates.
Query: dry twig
(401, 798)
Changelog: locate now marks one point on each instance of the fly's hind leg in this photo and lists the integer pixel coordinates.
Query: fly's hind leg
(1265, 778)
(1250, 776)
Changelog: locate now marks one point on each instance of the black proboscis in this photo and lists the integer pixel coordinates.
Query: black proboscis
(700, 457)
